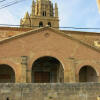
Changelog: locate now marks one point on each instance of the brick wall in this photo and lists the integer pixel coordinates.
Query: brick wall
(45, 42)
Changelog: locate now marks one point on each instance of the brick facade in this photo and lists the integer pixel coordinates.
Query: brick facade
(70, 52)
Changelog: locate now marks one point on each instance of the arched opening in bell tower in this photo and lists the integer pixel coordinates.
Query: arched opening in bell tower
(49, 24)
(40, 24)
(44, 13)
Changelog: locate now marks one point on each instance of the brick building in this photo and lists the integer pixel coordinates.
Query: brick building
(39, 52)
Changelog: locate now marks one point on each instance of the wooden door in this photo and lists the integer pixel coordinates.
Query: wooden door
(42, 77)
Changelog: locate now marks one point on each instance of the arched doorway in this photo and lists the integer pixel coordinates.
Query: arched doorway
(47, 70)
(87, 74)
(7, 74)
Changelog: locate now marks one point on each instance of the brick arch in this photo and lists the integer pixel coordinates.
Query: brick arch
(56, 56)
(93, 65)
(37, 55)
(15, 67)
(59, 77)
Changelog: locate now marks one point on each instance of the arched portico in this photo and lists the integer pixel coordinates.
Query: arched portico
(7, 74)
(87, 63)
(88, 74)
(15, 67)
(47, 69)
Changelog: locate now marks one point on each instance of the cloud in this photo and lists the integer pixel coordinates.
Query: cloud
(68, 11)
(79, 13)
(12, 14)
(6, 17)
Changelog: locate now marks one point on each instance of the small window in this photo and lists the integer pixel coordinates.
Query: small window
(44, 13)
(40, 24)
(49, 24)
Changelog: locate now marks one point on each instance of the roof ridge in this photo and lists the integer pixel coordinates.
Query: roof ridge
(55, 30)
(73, 38)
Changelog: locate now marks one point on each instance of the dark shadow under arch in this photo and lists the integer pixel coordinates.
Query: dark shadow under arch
(47, 70)
(87, 74)
(7, 74)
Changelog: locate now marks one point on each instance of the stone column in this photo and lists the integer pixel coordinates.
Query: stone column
(24, 68)
(72, 70)
(98, 78)
(29, 76)
(60, 76)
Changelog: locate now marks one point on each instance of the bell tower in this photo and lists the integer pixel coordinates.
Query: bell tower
(43, 13)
